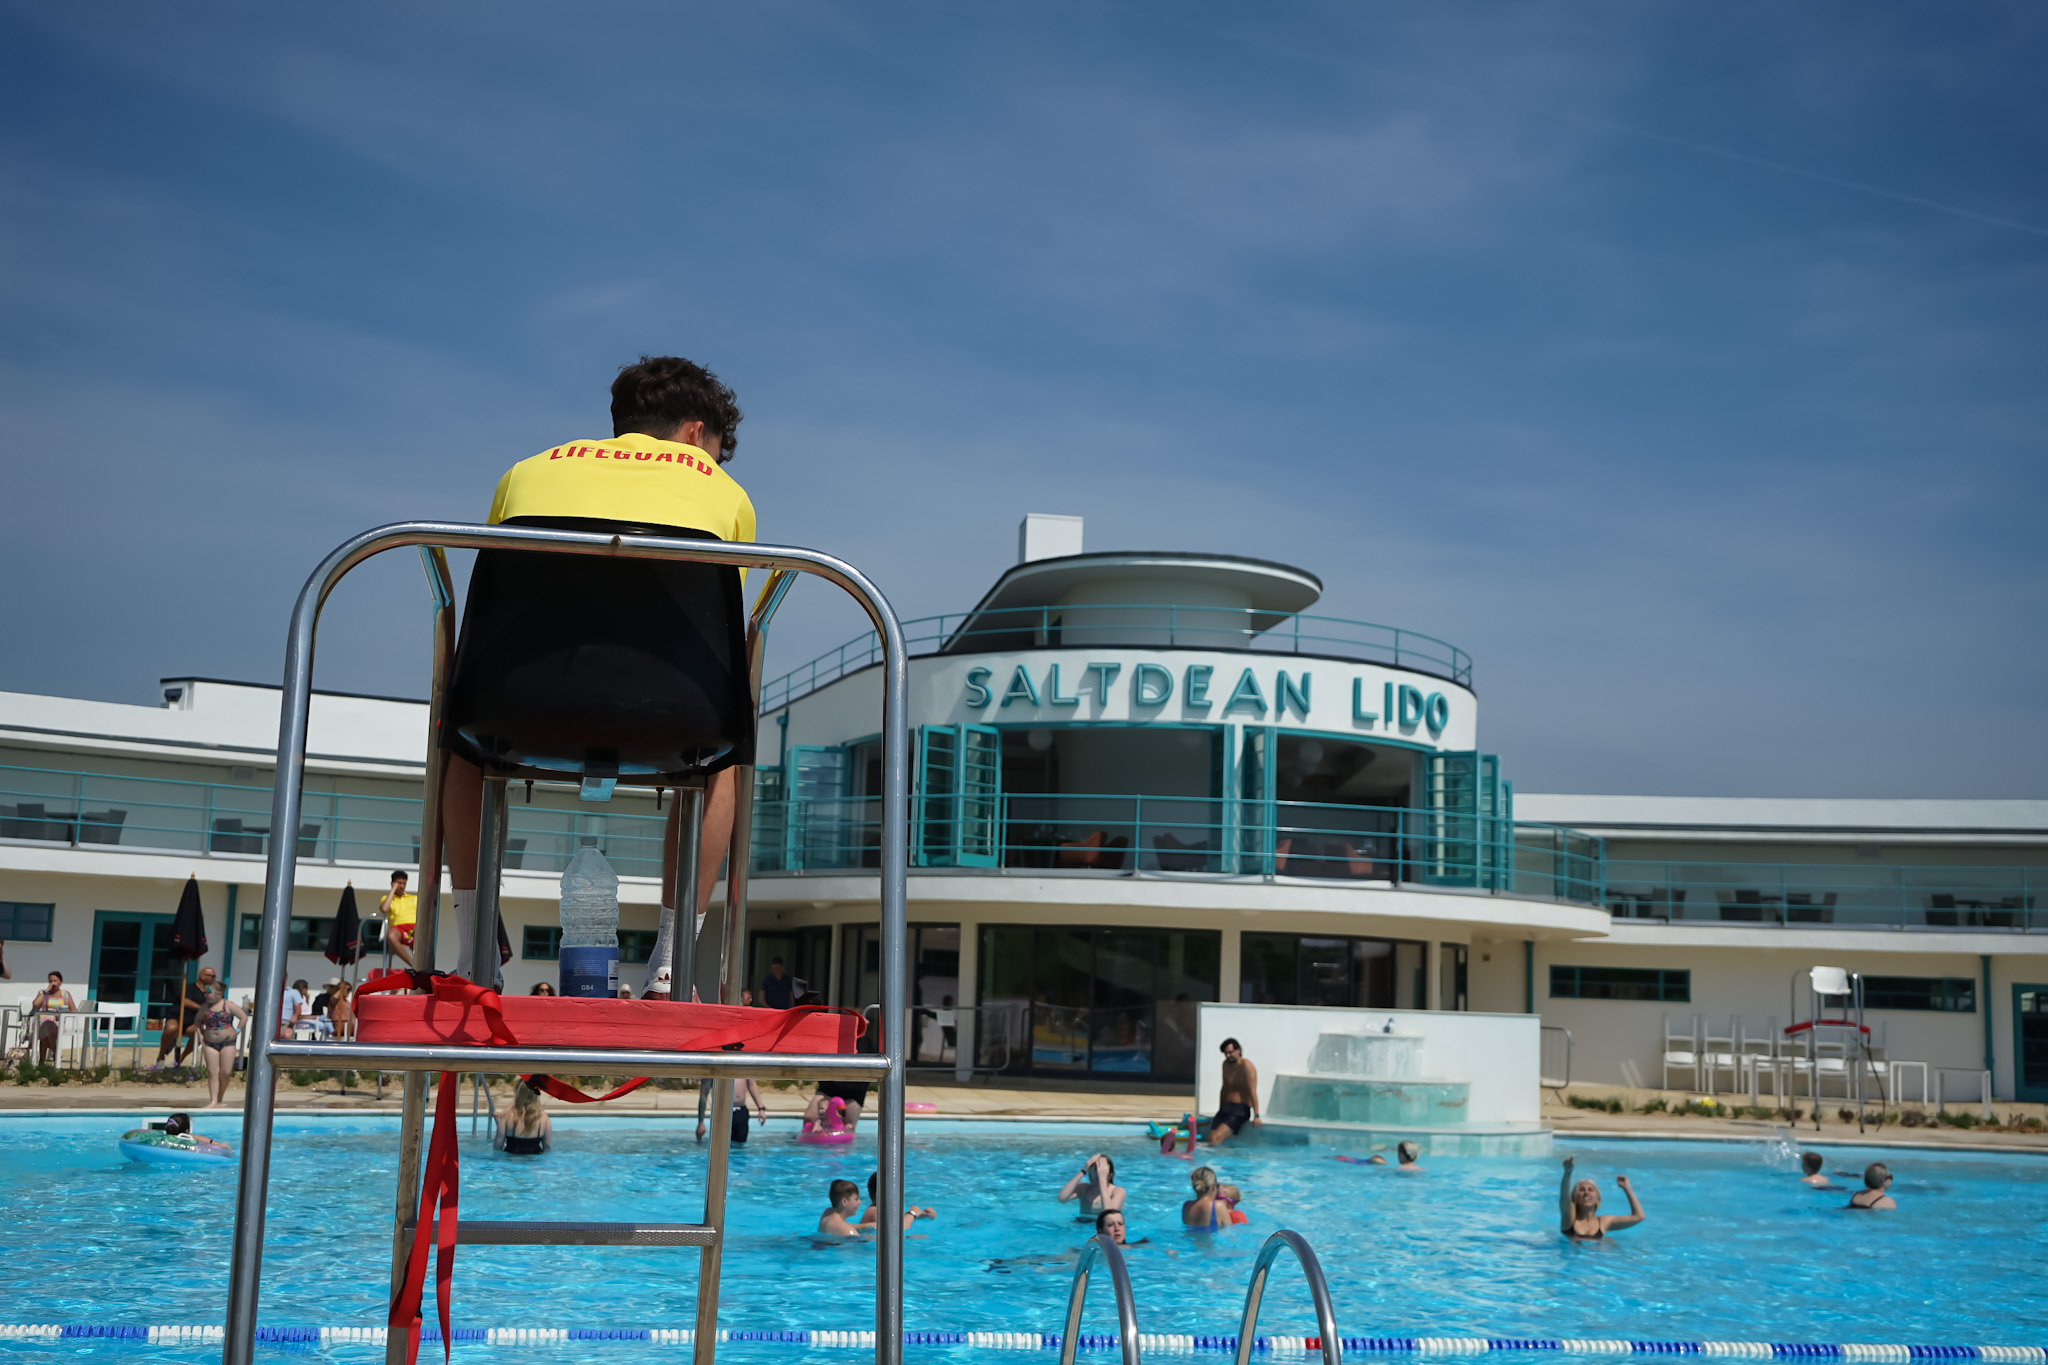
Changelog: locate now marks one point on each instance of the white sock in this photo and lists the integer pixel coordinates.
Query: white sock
(662, 959)
(463, 903)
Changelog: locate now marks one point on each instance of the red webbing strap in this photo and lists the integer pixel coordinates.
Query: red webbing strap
(735, 1039)
(562, 1090)
(436, 1223)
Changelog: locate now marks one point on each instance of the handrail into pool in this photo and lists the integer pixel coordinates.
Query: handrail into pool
(1101, 1246)
(1331, 1342)
(239, 1333)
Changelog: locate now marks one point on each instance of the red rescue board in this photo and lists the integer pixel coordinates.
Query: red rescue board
(557, 1021)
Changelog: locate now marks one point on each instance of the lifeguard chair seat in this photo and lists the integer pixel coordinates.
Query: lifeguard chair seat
(583, 667)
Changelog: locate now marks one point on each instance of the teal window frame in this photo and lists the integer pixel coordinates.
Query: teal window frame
(306, 934)
(1661, 985)
(540, 943)
(19, 918)
(959, 795)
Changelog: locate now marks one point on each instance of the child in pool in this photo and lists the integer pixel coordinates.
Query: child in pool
(871, 1217)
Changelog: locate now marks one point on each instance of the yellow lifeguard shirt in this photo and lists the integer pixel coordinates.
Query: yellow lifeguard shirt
(634, 479)
(403, 910)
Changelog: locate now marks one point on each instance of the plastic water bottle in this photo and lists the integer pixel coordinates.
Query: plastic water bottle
(590, 926)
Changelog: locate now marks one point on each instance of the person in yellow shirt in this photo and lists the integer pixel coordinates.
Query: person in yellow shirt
(674, 426)
(400, 910)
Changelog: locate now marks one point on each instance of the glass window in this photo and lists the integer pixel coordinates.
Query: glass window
(1103, 1001)
(1620, 983)
(1451, 965)
(635, 945)
(308, 933)
(26, 921)
(1946, 994)
(541, 943)
(1360, 973)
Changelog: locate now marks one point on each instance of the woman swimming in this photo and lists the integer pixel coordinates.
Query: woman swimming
(1578, 1208)
(1214, 1204)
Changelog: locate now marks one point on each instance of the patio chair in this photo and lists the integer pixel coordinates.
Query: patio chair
(102, 826)
(125, 1027)
(1682, 1052)
(1718, 1054)
(1174, 856)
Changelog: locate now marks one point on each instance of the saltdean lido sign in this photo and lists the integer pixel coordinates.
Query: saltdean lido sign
(1219, 688)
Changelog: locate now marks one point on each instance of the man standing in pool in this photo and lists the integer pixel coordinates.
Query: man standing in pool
(1578, 1208)
(1238, 1101)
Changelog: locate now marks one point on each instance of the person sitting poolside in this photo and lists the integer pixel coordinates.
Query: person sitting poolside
(1110, 1223)
(1407, 1151)
(524, 1128)
(401, 911)
(871, 1217)
(1237, 1101)
(1095, 1186)
(544, 988)
(836, 1220)
(1877, 1179)
(674, 426)
(1578, 1208)
(1214, 1204)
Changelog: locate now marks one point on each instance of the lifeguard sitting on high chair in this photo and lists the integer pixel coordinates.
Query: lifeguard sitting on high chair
(662, 473)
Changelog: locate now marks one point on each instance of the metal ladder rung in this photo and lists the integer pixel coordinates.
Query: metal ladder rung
(473, 1232)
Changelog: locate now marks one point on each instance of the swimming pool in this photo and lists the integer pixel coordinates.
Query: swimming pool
(1734, 1247)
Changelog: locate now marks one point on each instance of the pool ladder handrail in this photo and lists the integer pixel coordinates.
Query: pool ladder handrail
(1101, 1247)
(1318, 1288)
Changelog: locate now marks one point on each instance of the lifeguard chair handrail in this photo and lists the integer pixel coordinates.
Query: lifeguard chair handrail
(1100, 1246)
(280, 873)
(1318, 1288)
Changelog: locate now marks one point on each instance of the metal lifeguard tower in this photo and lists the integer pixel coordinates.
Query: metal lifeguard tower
(266, 1051)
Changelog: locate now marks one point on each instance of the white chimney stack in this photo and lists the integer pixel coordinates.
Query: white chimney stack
(1042, 535)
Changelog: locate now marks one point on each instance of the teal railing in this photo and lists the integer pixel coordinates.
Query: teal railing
(1134, 626)
(223, 818)
(1210, 836)
(1855, 895)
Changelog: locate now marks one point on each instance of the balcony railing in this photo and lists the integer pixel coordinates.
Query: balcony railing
(1850, 896)
(1105, 625)
(1197, 836)
(89, 810)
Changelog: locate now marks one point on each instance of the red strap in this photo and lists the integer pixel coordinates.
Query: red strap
(436, 1223)
(562, 1090)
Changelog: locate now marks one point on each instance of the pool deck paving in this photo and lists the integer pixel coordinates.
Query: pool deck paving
(1044, 1105)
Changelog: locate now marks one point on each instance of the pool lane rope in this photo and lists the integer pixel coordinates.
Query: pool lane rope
(1164, 1343)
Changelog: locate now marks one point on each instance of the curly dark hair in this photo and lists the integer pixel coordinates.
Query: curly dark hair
(661, 392)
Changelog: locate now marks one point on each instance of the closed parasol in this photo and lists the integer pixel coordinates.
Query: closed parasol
(345, 944)
(188, 945)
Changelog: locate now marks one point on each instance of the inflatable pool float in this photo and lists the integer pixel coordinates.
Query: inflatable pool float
(920, 1107)
(830, 1130)
(155, 1145)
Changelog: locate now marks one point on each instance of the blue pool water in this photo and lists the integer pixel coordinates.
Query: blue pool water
(1734, 1247)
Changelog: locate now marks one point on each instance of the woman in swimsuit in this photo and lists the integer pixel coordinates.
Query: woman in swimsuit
(523, 1126)
(1213, 1205)
(1578, 1208)
(217, 1039)
(48, 1005)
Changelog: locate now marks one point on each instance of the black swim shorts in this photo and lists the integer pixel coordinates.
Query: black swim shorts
(1231, 1116)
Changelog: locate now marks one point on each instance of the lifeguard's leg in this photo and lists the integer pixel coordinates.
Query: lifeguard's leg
(718, 803)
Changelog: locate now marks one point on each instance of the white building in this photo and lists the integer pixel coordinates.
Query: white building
(1143, 780)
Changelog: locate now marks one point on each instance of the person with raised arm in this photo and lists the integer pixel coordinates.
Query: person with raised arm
(1578, 1208)
(1095, 1186)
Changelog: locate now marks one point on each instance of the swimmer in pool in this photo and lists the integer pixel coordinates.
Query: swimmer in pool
(845, 1196)
(1095, 1186)
(1578, 1208)
(1213, 1203)
(1110, 1223)
(1877, 1179)
(1812, 1174)
(871, 1217)
(1408, 1151)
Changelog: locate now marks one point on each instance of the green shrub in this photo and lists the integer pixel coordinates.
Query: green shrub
(1912, 1118)
(1656, 1106)
(1960, 1118)
(1609, 1105)
(1706, 1108)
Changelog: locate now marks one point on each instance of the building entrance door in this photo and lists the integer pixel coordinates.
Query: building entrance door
(131, 960)
(2030, 1042)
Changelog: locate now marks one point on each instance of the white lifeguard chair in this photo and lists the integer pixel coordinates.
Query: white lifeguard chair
(1837, 1046)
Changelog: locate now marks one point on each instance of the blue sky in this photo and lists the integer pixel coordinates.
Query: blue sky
(1683, 364)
